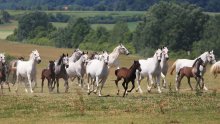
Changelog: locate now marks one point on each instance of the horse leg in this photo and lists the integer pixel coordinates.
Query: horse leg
(1, 86)
(88, 85)
(139, 78)
(151, 83)
(17, 80)
(164, 83)
(188, 78)
(116, 83)
(57, 81)
(42, 84)
(178, 81)
(9, 89)
(158, 84)
(66, 86)
(132, 86)
(97, 84)
(125, 84)
(204, 87)
(102, 84)
(79, 83)
(30, 83)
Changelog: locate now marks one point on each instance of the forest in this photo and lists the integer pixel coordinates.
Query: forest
(100, 5)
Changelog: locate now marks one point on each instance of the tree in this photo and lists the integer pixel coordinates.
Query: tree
(28, 23)
(174, 25)
(211, 37)
(120, 33)
(4, 16)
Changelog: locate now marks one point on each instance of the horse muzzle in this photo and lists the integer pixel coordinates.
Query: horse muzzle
(159, 60)
(67, 66)
(127, 53)
(167, 58)
(38, 61)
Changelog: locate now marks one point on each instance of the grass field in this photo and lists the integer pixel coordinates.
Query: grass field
(77, 107)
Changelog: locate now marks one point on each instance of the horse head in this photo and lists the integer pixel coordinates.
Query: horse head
(2, 57)
(104, 57)
(65, 60)
(165, 53)
(77, 53)
(137, 65)
(35, 56)
(211, 57)
(123, 50)
(52, 65)
(158, 55)
(84, 56)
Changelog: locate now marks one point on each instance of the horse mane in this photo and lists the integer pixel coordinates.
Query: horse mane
(195, 62)
(115, 49)
(60, 59)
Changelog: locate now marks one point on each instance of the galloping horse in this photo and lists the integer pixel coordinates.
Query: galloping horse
(207, 57)
(113, 57)
(27, 69)
(215, 69)
(60, 71)
(77, 69)
(49, 74)
(97, 70)
(194, 71)
(151, 69)
(128, 75)
(164, 65)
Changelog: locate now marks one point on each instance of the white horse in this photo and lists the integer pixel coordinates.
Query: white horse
(215, 69)
(164, 65)
(151, 69)
(27, 69)
(113, 57)
(77, 69)
(76, 55)
(207, 57)
(98, 71)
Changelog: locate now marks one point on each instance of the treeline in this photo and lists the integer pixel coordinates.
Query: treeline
(4, 17)
(98, 19)
(99, 5)
(180, 27)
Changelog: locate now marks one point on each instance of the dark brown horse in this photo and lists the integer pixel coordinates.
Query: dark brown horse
(60, 71)
(3, 75)
(49, 74)
(128, 75)
(189, 72)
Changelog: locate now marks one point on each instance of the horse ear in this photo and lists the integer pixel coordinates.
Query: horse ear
(83, 52)
(87, 52)
(67, 54)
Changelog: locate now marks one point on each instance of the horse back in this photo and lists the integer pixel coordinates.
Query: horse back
(122, 72)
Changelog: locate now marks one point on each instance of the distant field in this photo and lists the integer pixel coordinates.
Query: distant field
(84, 13)
(131, 25)
(77, 107)
(7, 29)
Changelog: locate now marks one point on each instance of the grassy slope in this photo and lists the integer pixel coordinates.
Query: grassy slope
(77, 107)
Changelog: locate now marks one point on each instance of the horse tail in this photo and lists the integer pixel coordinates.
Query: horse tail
(172, 68)
(116, 72)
